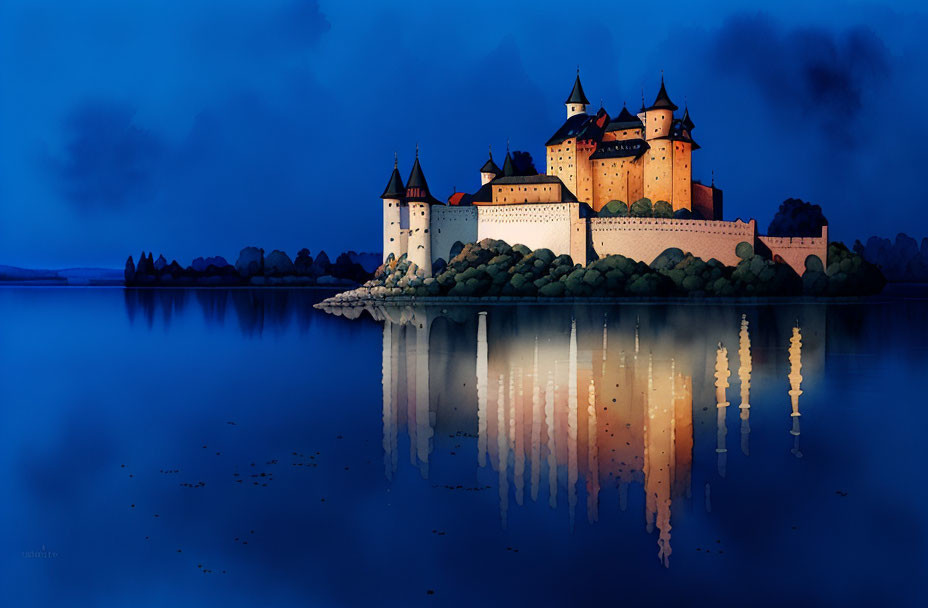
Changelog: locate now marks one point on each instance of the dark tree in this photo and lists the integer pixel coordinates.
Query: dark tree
(523, 163)
(130, 270)
(303, 263)
(796, 217)
(321, 264)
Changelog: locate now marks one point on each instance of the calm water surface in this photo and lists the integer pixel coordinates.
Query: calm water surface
(240, 448)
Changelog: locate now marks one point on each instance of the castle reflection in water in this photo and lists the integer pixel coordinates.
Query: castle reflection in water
(566, 401)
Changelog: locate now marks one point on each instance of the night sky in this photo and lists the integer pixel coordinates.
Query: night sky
(197, 128)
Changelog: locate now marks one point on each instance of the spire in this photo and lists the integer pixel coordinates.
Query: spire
(509, 169)
(687, 121)
(416, 187)
(663, 100)
(490, 166)
(395, 189)
(576, 94)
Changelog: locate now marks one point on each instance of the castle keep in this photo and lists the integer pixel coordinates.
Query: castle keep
(591, 160)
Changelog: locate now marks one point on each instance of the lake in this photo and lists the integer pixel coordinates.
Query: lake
(241, 448)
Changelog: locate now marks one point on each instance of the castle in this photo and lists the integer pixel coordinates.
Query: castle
(591, 160)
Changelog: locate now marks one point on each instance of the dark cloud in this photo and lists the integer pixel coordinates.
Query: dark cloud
(823, 73)
(108, 160)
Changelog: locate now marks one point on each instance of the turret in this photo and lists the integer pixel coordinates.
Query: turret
(509, 168)
(659, 115)
(577, 102)
(687, 122)
(419, 200)
(489, 171)
(392, 199)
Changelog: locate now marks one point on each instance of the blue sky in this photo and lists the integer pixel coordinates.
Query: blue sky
(197, 128)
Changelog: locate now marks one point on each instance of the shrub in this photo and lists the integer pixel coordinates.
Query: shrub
(663, 209)
(492, 267)
(614, 208)
(668, 259)
(814, 264)
(641, 208)
(744, 250)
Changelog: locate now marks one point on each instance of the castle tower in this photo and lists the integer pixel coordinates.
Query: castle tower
(660, 115)
(489, 171)
(659, 160)
(681, 171)
(392, 199)
(687, 121)
(509, 168)
(577, 102)
(419, 200)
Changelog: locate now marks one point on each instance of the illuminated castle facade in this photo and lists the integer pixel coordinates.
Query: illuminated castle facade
(628, 157)
(591, 160)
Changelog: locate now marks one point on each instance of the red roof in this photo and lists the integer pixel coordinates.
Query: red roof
(455, 199)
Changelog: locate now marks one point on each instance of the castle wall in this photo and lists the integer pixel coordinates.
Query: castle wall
(682, 173)
(526, 193)
(562, 163)
(537, 225)
(795, 250)
(617, 179)
(579, 239)
(450, 224)
(707, 200)
(657, 178)
(643, 239)
(584, 190)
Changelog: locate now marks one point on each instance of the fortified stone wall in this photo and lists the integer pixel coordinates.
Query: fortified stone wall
(658, 185)
(536, 225)
(617, 179)
(450, 224)
(643, 239)
(795, 250)
(682, 173)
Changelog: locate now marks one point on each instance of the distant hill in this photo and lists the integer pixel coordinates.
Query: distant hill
(11, 275)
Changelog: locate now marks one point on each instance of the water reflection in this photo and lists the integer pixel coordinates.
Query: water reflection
(744, 376)
(795, 381)
(584, 398)
(254, 310)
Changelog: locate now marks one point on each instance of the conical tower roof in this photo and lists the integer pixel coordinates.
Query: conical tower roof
(417, 189)
(395, 188)
(663, 100)
(687, 121)
(576, 94)
(509, 169)
(490, 166)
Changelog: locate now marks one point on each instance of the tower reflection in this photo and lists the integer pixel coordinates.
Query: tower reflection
(795, 382)
(584, 401)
